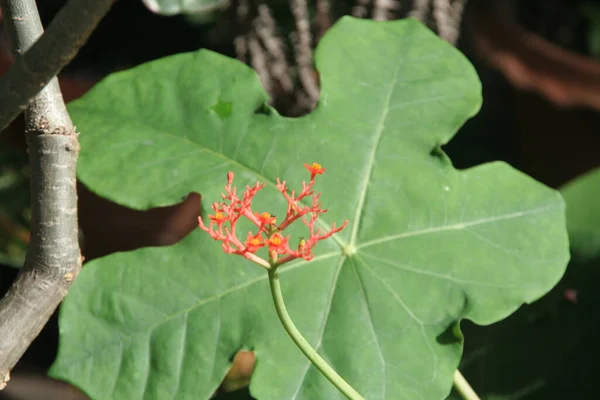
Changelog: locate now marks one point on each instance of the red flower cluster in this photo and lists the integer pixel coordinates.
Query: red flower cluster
(227, 213)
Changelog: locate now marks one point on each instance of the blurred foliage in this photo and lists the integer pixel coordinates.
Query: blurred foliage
(14, 206)
(591, 12)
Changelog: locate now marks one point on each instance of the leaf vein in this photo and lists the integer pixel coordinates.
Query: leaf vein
(363, 292)
(458, 226)
(371, 159)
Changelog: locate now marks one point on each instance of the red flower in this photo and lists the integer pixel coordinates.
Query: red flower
(265, 218)
(253, 242)
(218, 218)
(278, 243)
(232, 208)
(314, 169)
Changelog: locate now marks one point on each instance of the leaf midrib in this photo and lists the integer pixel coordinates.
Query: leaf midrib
(371, 160)
(357, 216)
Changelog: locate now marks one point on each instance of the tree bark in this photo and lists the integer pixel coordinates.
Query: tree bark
(53, 258)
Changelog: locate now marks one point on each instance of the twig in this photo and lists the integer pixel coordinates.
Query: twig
(53, 257)
(463, 388)
(64, 37)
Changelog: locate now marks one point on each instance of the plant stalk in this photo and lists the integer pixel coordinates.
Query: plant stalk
(463, 388)
(302, 344)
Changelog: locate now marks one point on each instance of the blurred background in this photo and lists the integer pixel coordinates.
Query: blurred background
(539, 62)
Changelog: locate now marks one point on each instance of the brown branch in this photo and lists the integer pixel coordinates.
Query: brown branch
(456, 13)
(441, 14)
(420, 10)
(323, 18)
(360, 10)
(64, 37)
(302, 40)
(240, 42)
(258, 60)
(53, 257)
(266, 29)
(383, 10)
(448, 18)
(531, 63)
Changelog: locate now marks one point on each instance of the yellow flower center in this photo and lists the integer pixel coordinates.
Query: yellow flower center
(269, 218)
(219, 216)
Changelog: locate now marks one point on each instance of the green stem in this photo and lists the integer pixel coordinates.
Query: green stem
(463, 388)
(303, 345)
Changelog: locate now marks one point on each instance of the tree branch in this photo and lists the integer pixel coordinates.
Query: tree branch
(420, 10)
(53, 258)
(66, 34)
(448, 17)
(302, 40)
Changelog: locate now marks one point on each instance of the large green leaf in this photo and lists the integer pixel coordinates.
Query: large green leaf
(426, 246)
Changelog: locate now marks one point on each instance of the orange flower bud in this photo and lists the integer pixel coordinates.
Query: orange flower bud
(314, 169)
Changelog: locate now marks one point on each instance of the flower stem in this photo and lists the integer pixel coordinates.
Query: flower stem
(463, 388)
(302, 344)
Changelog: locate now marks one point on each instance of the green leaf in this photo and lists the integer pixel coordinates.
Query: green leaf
(583, 214)
(426, 246)
(189, 7)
